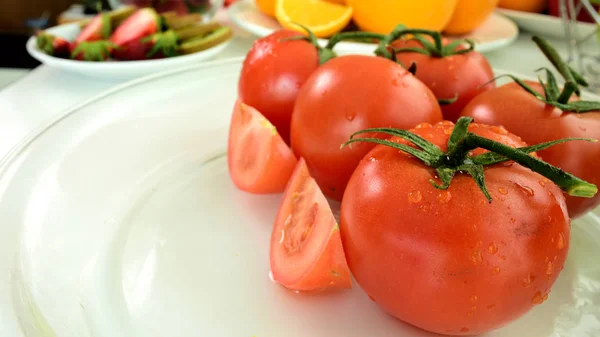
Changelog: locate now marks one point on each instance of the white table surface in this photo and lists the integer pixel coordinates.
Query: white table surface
(45, 92)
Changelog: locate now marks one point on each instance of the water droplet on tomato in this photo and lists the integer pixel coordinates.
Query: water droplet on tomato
(544, 298)
(350, 116)
(470, 313)
(549, 268)
(434, 84)
(582, 128)
(414, 197)
(465, 329)
(549, 219)
(447, 131)
(542, 183)
(503, 257)
(508, 163)
(525, 189)
(495, 271)
(493, 248)
(474, 298)
(474, 227)
(513, 220)
(405, 84)
(502, 190)
(444, 196)
(476, 257)
(528, 280)
(537, 298)
(425, 207)
(423, 126)
(395, 82)
(491, 306)
(560, 241)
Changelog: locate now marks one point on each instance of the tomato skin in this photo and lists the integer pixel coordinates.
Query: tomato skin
(448, 261)
(258, 159)
(306, 248)
(522, 114)
(533, 6)
(348, 94)
(272, 75)
(464, 75)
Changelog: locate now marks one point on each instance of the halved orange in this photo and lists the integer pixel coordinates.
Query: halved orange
(322, 17)
(266, 6)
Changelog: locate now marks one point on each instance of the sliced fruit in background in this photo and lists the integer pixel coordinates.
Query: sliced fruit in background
(128, 35)
(321, 17)
(216, 37)
(259, 160)
(469, 14)
(53, 45)
(96, 51)
(98, 29)
(534, 6)
(306, 246)
(383, 16)
(266, 6)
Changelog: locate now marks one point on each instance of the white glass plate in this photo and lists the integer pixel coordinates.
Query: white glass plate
(115, 69)
(497, 32)
(131, 227)
(545, 25)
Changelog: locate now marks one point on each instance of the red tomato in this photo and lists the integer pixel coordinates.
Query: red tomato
(449, 261)
(463, 75)
(306, 248)
(348, 94)
(273, 73)
(584, 15)
(259, 160)
(534, 121)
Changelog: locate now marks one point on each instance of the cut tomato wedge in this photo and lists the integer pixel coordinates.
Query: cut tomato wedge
(258, 158)
(306, 247)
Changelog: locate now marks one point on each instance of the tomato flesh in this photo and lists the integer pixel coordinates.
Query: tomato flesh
(306, 248)
(259, 160)
(448, 261)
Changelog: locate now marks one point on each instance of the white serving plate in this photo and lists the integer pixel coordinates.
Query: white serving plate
(115, 69)
(497, 32)
(545, 25)
(130, 227)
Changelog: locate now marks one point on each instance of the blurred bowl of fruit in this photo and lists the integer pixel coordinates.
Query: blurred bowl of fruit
(207, 8)
(129, 42)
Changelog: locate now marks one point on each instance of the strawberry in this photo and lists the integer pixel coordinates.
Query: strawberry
(127, 36)
(53, 45)
(93, 50)
(98, 29)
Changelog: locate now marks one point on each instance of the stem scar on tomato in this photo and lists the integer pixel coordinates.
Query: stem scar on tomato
(458, 160)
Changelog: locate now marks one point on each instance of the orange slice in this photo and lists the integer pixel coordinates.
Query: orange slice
(322, 17)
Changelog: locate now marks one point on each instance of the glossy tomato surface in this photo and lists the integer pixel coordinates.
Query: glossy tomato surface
(465, 75)
(536, 122)
(272, 74)
(348, 94)
(306, 248)
(449, 261)
(259, 160)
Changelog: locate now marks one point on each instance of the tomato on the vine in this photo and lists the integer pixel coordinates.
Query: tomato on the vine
(449, 258)
(534, 120)
(272, 74)
(448, 69)
(347, 94)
